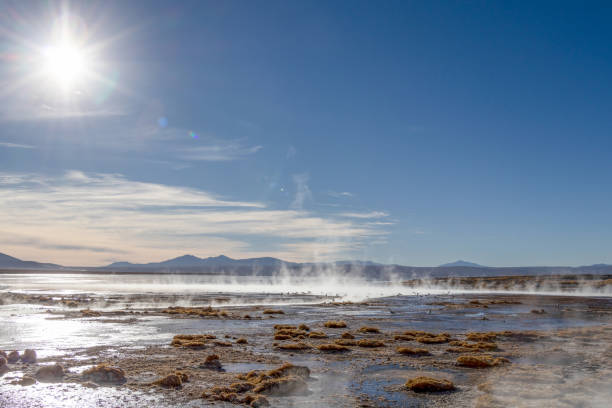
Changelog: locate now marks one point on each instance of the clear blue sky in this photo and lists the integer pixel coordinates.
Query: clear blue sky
(412, 132)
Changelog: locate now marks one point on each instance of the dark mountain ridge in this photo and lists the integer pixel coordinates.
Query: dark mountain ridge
(266, 266)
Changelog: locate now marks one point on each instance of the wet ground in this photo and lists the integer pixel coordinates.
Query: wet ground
(558, 347)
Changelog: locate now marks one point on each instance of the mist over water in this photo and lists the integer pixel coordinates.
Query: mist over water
(315, 287)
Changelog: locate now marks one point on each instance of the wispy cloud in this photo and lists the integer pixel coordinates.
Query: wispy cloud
(16, 145)
(80, 219)
(339, 194)
(217, 152)
(371, 214)
(302, 191)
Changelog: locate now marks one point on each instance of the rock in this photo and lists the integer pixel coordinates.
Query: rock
(3, 367)
(282, 386)
(50, 373)
(13, 357)
(260, 401)
(25, 381)
(29, 356)
(104, 374)
(212, 363)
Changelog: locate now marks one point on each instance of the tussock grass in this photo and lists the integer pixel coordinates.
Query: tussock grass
(335, 324)
(428, 384)
(370, 343)
(332, 347)
(410, 351)
(480, 361)
(368, 329)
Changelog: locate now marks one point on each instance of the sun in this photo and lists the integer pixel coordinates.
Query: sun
(65, 64)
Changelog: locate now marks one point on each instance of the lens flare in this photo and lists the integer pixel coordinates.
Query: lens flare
(65, 64)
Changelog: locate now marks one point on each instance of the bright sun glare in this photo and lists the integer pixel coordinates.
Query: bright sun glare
(65, 64)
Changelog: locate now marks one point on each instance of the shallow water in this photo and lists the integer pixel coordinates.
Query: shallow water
(391, 308)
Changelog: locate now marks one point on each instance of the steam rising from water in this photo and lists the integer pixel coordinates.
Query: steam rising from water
(317, 285)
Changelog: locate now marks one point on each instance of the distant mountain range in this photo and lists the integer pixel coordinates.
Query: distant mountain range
(461, 263)
(190, 261)
(269, 266)
(7, 261)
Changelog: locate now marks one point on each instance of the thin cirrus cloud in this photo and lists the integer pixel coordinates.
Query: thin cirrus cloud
(364, 215)
(217, 152)
(16, 145)
(84, 219)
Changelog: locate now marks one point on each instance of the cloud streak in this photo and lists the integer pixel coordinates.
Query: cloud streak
(84, 219)
(16, 145)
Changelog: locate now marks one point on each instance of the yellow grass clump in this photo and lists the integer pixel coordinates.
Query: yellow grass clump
(103, 373)
(332, 347)
(370, 343)
(464, 346)
(410, 351)
(347, 335)
(475, 336)
(192, 311)
(294, 346)
(317, 335)
(367, 329)
(428, 384)
(480, 361)
(284, 326)
(335, 324)
(170, 381)
(346, 342)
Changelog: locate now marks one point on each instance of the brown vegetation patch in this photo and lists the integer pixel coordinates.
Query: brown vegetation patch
(220, 343)
(332, 347)
(284, 326)
(171, 381)
(475, 336)
(317, 335)
(410, 351)
(103, 373)
(368, 329)
(282, 386)
(294, 346)
(242, 340)
(480, 361)
(273, 311)
(335, 324)
(29, 356)
(193, 341)
(90, 313)
(346, 342)
(428, 384)
(24, 381)
(212, 363)
(464, 346)
(370, 343)
(13, 357)
(192, 311)
(433, 340)
(304, 327)
(50, 373)
(347, 335)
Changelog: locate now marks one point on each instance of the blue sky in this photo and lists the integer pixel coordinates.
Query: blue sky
(407, 132)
